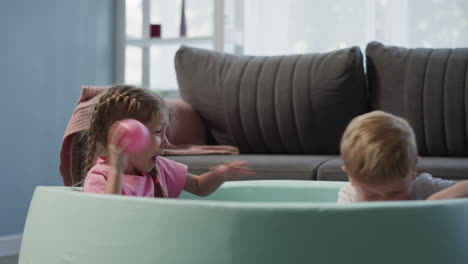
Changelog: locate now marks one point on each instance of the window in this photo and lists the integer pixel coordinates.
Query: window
(284, 27)
(149, 61)
(276, 27)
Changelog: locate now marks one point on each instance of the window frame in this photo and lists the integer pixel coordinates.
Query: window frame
(218, 39)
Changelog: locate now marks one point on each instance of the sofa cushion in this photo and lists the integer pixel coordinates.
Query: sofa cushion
(296, 104)
(287, 167)
(428, 88)
(441, 167)
(331, 171)
(444, 167)
(186, 126)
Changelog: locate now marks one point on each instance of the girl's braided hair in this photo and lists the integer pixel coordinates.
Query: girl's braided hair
(120, 102)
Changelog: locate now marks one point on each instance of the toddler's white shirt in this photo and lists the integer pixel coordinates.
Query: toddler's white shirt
(421, 188)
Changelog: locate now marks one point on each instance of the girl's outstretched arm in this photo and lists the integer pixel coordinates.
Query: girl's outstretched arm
(209, 182)
(458, 190)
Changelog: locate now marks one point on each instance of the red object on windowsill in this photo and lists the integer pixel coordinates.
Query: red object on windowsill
(155, 30)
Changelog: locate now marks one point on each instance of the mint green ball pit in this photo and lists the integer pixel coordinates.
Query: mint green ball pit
(243, 222)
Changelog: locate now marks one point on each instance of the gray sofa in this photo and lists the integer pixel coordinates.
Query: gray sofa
(286, 114)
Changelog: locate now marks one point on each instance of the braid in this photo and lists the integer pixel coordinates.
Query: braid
(100, 109)
(160, 191)
(91, 150)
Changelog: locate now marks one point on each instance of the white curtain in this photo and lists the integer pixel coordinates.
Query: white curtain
(274, 27)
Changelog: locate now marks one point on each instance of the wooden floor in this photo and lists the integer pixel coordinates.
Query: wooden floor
(9, 260)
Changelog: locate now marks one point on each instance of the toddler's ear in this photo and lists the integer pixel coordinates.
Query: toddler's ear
(343, 168)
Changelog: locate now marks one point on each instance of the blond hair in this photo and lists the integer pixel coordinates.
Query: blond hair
(377, 147)
(120, 102)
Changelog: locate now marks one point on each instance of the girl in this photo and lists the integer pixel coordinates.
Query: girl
(144, 173)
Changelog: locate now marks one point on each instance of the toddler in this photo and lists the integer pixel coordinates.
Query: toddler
(143, 173)
(380, 156)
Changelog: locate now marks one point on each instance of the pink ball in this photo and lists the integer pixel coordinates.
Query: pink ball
(136, 133)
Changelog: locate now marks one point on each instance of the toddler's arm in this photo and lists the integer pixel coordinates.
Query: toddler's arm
(458, 190)
(209, 182)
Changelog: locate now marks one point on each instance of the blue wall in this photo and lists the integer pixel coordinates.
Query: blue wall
(49, 48)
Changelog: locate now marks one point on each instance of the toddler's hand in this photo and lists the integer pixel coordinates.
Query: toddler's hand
(232, 170)
(458, 190)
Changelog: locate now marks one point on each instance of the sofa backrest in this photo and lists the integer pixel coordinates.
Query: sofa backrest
(429, 88)
(296, 104)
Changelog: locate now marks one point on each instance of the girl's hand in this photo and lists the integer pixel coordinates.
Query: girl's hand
(232, 170)
(117, 159)
(209, 182)
(115, 147)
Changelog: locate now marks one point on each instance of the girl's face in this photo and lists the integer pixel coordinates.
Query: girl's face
(143, 161)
